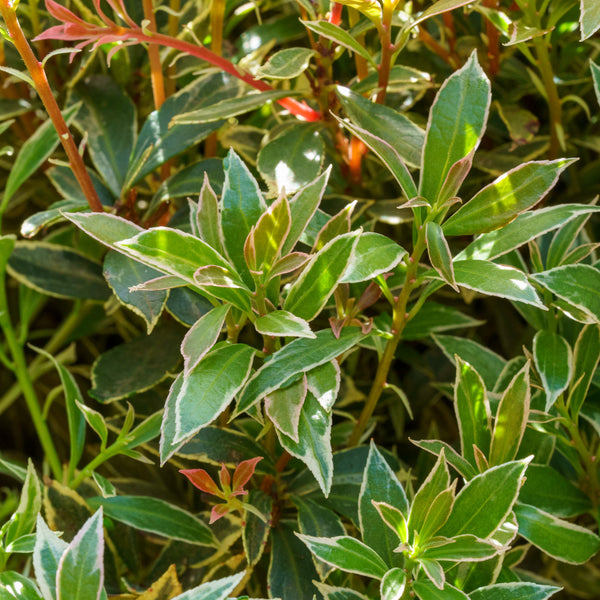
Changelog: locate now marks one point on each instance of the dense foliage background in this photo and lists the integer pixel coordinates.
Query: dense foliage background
(299, 299)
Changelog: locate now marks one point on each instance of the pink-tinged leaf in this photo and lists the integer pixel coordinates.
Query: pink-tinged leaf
(203, 481)
(208, 217)
(61, 13)
(218, 511)
(224, 478)
(243, 472)
(289, 263)
(337, 225)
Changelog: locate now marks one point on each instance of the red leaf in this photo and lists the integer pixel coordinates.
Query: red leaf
(243, 472)
(203, 481)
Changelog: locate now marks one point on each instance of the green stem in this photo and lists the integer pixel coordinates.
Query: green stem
(400, 319)
(26, 385)
(44, 91)
(553, 99)
(88, 470)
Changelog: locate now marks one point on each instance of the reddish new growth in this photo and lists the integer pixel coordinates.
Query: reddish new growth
(229, 489)
(74, 28)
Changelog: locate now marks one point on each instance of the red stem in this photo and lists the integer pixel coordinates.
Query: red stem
(44, 91)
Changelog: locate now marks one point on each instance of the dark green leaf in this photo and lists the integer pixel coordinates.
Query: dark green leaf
(136, 366)
(298, 356)
(554, 363)
(293, 159)
(158, 517)
(585, 363)
(433, 318)
(426, 590)
(57, 271)
(108, 118)
(256, 532)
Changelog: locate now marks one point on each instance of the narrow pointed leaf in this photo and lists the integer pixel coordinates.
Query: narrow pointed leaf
(379, 484)
(439, 253)
(220, 589)
(486, 500)
(80, 574)
(496, 280)
(577, 284)
(324, 383)
(283, 323)
(209, 388)
(283, 406)
(339, 36)
(510, 591)
(298, 356)
(589, 18)
(554, 363)
(585, 363)
(158, 517)
(560, 539)
(502, 200)
(456, 124)
(47, 553)
(319, 278)
(347, 554)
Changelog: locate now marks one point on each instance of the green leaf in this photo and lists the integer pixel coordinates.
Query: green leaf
(293, 159)
(496, 280)
(34, 152)
(220, 589)
(291, 570)
(23, 519)
(256, 532)
(339, 593)
(512, 591)
(283, 323)
(96, 421)
(45, 218)
(422, 518)
(47, 553)
(374, 254)
(158, 517)
(379, 484)
(559, 539)
(286, 64)
(108, 118)
(485, 501)
(462, 548)
(107, 229)
(298, 356)
(202, 336)
(589, 18)
(554, 363)
(64, 180)
(393, 584)
(12, 469)
(283, 407)
(158, 141)
(391, 126)
(595, 69)
(57, 271)
(585, 363)
(209, 387)
(347, 554)
(461, 465)
(472, 410)
(136, 366)
(426, 590)
(439, 253)
(340, 36)
(439, 7)
(231, 107)
(390, 157)
(242, 205)
(75, 417)
(80, 574)
(319, 278)
(13, 585)
(526, 227)
(433, 318)
(502, 200)
(314, 442)
(302, 208)
(123, 273)
(577, 284)
(319, 521)
(188, 180)
(177, 253)
(324, 383)
(511, 419)
(487, 363)
(262, 247)
(456, 123)
(546, 489)
(563, 240)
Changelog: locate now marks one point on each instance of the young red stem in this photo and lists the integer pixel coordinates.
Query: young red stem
(156, 74)
(44, 91)
(493, 37)
(300, 109)
(387, 50)
(335, 16)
